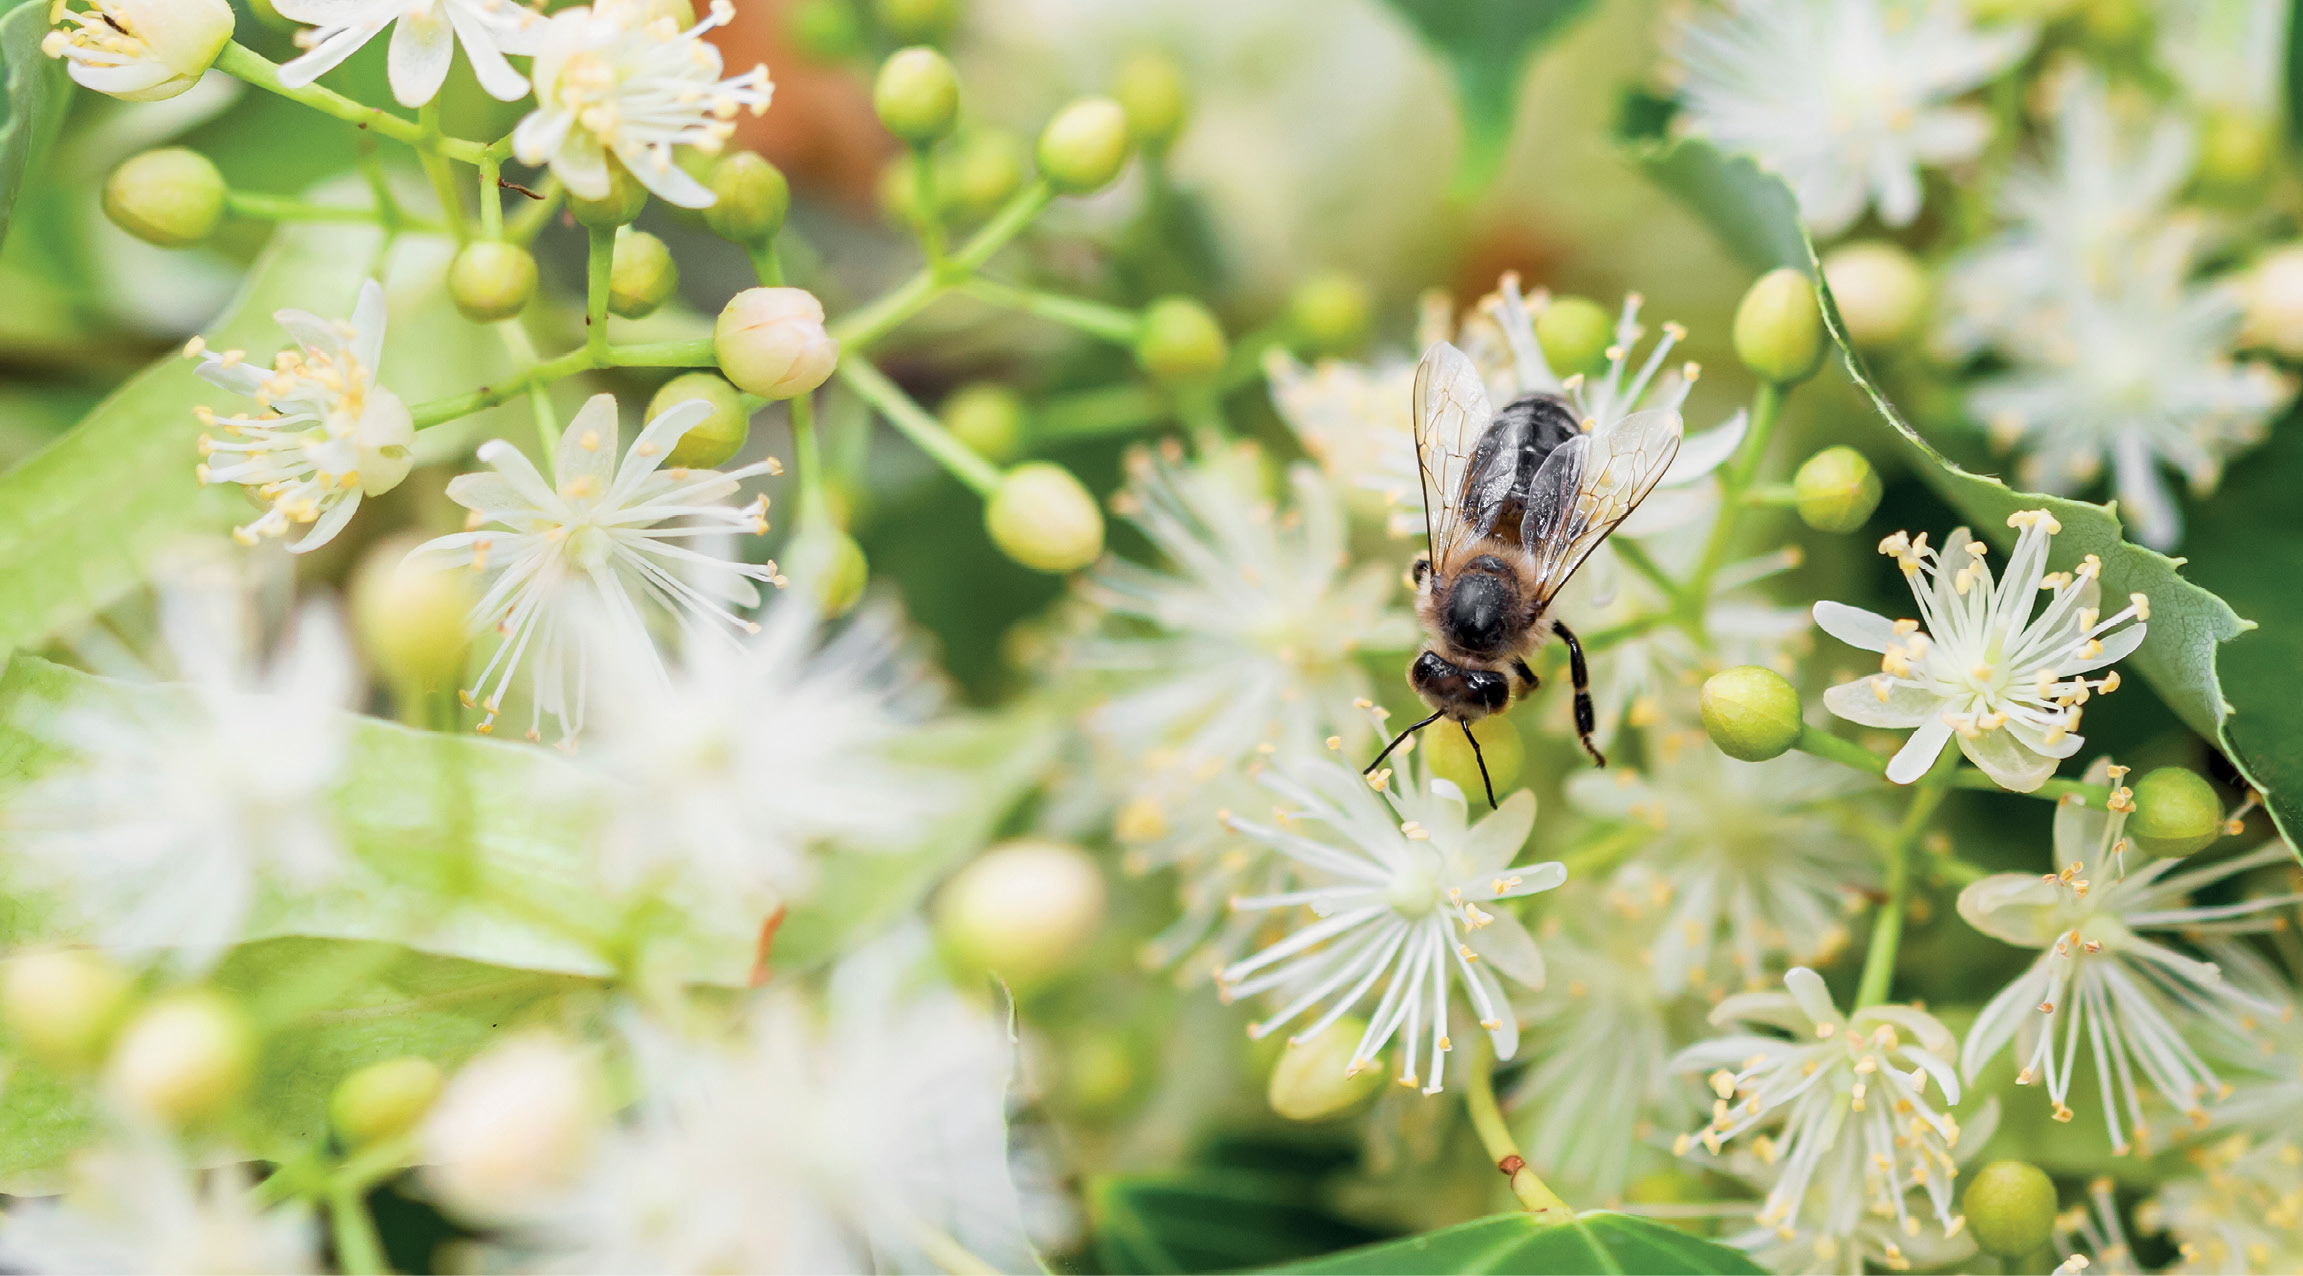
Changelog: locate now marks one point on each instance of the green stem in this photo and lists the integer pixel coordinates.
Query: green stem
(537, 388)
(1020, 211)
(1887, 931)
(598, 265)
(242, 62)
(698, 353)
(1846, 752)
(768, 264)
(857, 331)
(1111, 409)
(436, 168)
(531, 220)
(1535, 1196)
(438, 411)
(359, 1251)
(1091, 317)
(492, 198)
(808, 458)
(917, 424)
(927, 218)
(276, 208)
(1766, 410)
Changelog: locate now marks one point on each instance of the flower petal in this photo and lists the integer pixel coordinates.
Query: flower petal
(1505, 945)
(1920, 751)
(1865, 630)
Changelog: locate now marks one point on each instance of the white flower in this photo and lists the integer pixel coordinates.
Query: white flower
(1748, 860)
(1977, 664)
(619, 78)
(1845, 98)
(510, 1132)
(2092, 1236)
(1400, 886)
(2226, 53)
(423, 44)
(572, 566)
(1854, 1128)
(327, 432)
(132, 1205)
(2101, 977)
(2241, 1213)
(139, 50)
(2265, 1056)
(171, 820)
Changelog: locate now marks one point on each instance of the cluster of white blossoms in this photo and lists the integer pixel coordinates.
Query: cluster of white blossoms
(425, 34)
(134, 1205)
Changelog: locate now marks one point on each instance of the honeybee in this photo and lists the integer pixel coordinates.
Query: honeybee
(1513, 502)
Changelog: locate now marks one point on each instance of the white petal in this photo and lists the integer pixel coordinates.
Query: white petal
(1505, 945)
(1865, 630)
(1920, 751)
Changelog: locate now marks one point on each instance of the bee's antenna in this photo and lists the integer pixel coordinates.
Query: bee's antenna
(1395, 741)
(1480, 758)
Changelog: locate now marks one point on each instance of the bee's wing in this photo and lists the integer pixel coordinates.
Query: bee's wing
(1451, 412)
(1587, 486)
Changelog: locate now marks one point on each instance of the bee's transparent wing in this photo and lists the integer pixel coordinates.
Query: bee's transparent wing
(1451, 412)
(1587, 486)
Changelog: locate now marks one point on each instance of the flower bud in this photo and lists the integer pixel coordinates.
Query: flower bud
(898, 190)
(1042, 517)
(184, 1057)
(511, 1129)
(641, 275)
(1836, 489)
(1100, 1071)
(171, 197)
(1778, 328)
(1575, 333)
(1330, 310)
(491, 280)
(1180, 341)
(142, 50)
(1751, 713)
(771, 342)
(1881, 292)
(2274, 292)
(1150, 89)
(988, 417)
(917, 94)
(1450, 757)
(62, 1004)
(1084, 146)
(1023, 910)
(619, 207)
(915, 19)
(2010, 1208)
(384, 1100)
(981, 172)
(410, 620)
(2235, 148)
(826, 30)
(750, 198)
(834, 569)
(1313, 1080)
(2176, 812)
(709, 443)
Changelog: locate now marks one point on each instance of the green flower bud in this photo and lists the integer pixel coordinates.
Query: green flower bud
(988, 417)
(1331, 310)
(384, 1100)
(491, 280)
(1100, 1071)
(2176, 812)
(1778, 328)
(1084, 146)
(1314, 1080)
(771, 342)
(708, 444)
(1750, 712)
(915, 19)
(917, 94)
(2010, 1208)
(834, 569)
(1881, 292)
(1023, 910)
(619, 207)
(184, 1057)
(172, 197)
(1575, 333)
(1180, 341)
(642, 274)
(898, 191)
(410, 620)
(1837, 489)
(1042, 517)
(2274, 298)
(1150, 88)
(1450, 757)
(981, 172)
(62, 1004)
(750, 198)
(826, 30)
(2235, 149)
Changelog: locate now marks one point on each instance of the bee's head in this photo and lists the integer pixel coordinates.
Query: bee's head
(1466, 695)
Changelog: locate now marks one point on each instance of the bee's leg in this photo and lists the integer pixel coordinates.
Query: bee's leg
(1580, 673)
(1480, 758)
(1528, 682)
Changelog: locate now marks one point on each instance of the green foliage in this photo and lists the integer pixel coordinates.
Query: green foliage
(1486, 45)
(1599, 1241)
(32, 99)
(1244, 1204)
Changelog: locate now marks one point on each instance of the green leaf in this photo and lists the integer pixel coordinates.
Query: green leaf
(1599, 1241)
(1486, 45)
(32, 97)
(1209, 1219)
(2294, 73)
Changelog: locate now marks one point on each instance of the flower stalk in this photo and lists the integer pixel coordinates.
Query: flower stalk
(1887, 931)
(1535, 1196)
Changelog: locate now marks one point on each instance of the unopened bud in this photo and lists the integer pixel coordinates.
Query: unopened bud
(511, 1129)
(825, 30)
(61, 1005)
(710, 442)
(1331, 310)
(1042, 517)
(750, 198)
(2235, 148)
(1575, 333)
(410, 619)
(1084, 146)
(1314, 1079)
(2176, 812)
(1881, 292)
(1150, 88)
(898, 190)
(641, 275)
(771, 342)
(384, 1100)
(1180, 341)
(988, 417)
(491, 280)
(1451, 758)
(2274, 292)
(618, 205)
(984, 168)
(832, 566)
(1778, 328)
(1023, 910)
(172, 197)
(917, 94)
(142, 50)
(1836, 489)
(915, 19)
(182, 1058)
(1751, 713)
(2010, 1208)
